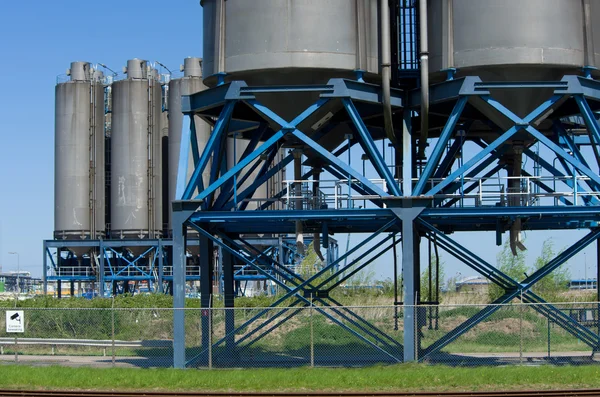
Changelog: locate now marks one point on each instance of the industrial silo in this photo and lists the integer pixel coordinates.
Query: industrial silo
(136, 201)
(270, 42)
(79, 155)
(513, 40)
(189, 84)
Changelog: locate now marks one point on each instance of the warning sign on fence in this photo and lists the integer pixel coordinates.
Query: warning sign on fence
(15, 321)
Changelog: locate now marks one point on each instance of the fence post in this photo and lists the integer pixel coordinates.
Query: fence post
(521, 330)
(548, 337)
(112, 315)
(312, 335)
(210, 333)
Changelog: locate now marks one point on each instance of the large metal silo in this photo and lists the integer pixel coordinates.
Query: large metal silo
(268, 42)
(190, 83)
(136, 201)
(513, 40)
(79, 155)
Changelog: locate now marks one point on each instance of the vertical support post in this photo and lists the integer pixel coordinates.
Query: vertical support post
(598, 284)
(229, 295)
(45, 270)
(408, 272)
(59, 288)
(101, 275)
(206, 280)
(161, 271)
(312, 334)
(406, 155)
(179, 259)
(349, 143)
(298, 199)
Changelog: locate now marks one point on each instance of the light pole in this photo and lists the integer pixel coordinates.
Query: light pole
(585, 269)
(18, 271)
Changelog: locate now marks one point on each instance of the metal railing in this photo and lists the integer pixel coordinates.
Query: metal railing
(466, 192)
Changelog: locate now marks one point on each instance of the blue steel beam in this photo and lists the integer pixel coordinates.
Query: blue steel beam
(270, 115)
(564, 137)
(227, 190)
(339, 165)
(291, 291)
(526, 124)
(358, 321)
(556, 173)
(519, 124)
(369, 147)
(560, 152)
(220, 128)
(474, 185)
(446, 164)
(436, 155)
(456, 185)
(261, 173)
(589, 117)
(184, 151)
(241, 165)
(511, 294)
(357, 317)
(563, 320)
(378, 335)
(472, 162)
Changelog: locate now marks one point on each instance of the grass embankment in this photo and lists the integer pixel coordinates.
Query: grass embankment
(394, 378)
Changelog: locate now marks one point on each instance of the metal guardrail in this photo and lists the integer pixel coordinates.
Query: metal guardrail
(86, 342)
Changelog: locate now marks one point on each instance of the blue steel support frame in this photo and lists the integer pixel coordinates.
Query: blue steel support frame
(406, 214)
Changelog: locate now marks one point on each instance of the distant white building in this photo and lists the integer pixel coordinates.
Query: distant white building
(474, 284)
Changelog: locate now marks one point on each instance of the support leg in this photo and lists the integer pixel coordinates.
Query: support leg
(179, 258)
(408, 272)
(229, 294)
(59, 288)
(206, 281)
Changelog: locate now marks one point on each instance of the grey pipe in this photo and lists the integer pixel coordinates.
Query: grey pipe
(317, 205)
(298, 199)
(386, 72)
(424, 55)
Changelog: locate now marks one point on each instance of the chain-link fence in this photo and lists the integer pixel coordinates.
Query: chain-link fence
(304, 336)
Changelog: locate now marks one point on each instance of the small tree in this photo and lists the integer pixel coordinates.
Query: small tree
(552, 285)
(512, 265)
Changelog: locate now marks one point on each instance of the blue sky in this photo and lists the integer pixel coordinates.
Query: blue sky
(39, 39)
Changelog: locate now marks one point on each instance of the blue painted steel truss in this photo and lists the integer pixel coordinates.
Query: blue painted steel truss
(353, 116)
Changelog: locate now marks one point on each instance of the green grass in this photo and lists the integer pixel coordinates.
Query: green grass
(393, 378)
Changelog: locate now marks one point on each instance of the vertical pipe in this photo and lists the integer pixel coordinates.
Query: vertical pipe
(407, 151)
(178, 288)
(161, 266)
(298, 199)
(101, 276)
(424, 55)
(386, 65)
(221, 46)
(316, 206)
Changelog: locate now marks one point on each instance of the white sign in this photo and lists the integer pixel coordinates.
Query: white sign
(15, 321)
